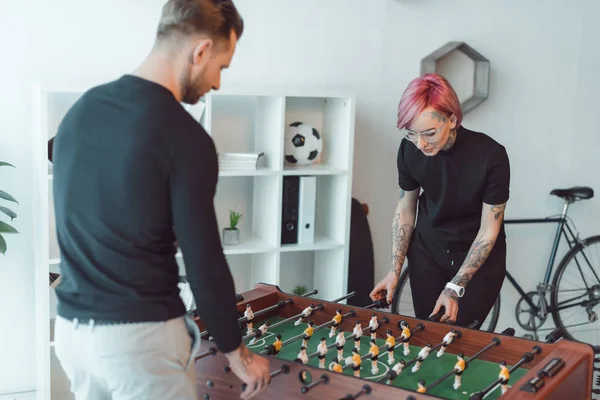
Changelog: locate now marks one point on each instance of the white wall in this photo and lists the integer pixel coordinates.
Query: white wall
(542, 55)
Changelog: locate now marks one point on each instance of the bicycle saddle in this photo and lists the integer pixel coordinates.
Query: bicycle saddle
(574, 193)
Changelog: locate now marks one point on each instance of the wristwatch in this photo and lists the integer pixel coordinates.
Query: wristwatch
(460, 290)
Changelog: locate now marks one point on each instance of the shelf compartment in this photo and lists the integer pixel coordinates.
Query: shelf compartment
(245, 123)
(320, 269)
(249, 269)
(331, 117)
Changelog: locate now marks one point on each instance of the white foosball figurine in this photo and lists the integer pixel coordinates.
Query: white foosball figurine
(322, 350)
(421, 357)
(405, 336)
(357, 334)
(307, 312)
(373, 324)
(504, 375)
(337, 319)
(308, 332)
(390, 342)
(249, 317)
(340, 341)
(447, 340)
(396, 369)
(374, 352)
(302, 356)
(259, 332)
(459, 367)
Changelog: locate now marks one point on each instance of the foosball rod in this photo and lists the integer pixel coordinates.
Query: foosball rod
(350, 313)
(366, 389)
(527, 357)
(317, 308)
(280, 304)
(285, 369)
(384, 320)
(495, 342)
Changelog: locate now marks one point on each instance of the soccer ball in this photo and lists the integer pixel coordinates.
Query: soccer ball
(303, 144)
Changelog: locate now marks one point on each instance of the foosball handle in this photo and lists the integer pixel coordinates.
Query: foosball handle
(508, 332)
(554, 336)
(436, 317)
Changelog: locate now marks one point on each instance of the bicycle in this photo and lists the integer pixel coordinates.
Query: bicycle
(534, 305)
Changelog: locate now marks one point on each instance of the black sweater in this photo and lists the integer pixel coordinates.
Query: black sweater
(133, 172)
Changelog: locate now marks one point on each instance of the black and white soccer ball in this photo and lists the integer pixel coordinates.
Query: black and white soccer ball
(303, 144)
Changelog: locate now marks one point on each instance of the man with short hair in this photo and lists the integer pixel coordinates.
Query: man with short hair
(133, 172)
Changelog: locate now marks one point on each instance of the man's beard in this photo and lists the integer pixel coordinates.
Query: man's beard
(192, 91)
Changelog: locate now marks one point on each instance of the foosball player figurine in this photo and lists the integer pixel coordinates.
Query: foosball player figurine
(355, 361)
(260, 331)
(340, 340)
(421, 388)
(421, 357)
(308, 333)
(396, 369)
(322, 350)
(307, 312)
(249, 317)
(373, 324)
(390, 342)
(302, 356)
(273, 349)
(357, 334)
(374, 352)
(459, 367)
(504, 375)
(446, 341)
(405, 335)
(337, 319)
(335, 365)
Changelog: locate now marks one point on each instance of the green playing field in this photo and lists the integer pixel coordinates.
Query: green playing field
(477, 376)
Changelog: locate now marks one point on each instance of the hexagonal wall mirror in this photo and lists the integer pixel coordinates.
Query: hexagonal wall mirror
(466, 69)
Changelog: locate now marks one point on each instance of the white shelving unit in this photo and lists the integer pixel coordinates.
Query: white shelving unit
(239, 119)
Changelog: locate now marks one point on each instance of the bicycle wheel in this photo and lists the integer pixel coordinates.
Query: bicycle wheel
(575, 296)
(402, 303)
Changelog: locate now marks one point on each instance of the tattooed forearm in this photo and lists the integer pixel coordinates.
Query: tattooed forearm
(400, 240)
(498, 211)
(246, 357)
(478, 253)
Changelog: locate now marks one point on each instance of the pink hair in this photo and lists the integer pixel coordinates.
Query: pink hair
(429, 90)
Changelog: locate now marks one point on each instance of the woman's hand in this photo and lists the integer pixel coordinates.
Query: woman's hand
(449, 299)
(389, 284)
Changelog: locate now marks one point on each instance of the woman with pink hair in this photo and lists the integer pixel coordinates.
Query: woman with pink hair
(456, 252)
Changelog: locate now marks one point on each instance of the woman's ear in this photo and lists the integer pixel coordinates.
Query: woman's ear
(453, 120)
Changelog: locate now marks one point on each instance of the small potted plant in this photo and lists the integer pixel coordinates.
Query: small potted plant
(231, 234)
(300, 290)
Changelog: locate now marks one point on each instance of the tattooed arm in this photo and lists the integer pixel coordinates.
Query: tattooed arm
(491, 221)
(402, 227)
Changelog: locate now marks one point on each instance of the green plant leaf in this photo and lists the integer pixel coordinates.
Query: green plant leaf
(11, 214)
(6, 228)
(5, 164)
(2, 245)
(6, 196)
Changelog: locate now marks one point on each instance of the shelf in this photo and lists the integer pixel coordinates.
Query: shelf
(260, 171)
(320, 243)
(315, 169)
(253, 245)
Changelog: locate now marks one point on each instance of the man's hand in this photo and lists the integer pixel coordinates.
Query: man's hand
(388, 283)
(251, 368)
(449, 299)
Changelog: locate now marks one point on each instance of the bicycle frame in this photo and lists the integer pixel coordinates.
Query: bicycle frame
(562, 229)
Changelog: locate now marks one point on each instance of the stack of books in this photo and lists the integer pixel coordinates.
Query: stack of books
(239, 161)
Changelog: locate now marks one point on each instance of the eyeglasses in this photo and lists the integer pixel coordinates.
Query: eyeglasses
(429, 136)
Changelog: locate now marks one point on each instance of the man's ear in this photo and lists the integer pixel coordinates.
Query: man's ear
(202, 51)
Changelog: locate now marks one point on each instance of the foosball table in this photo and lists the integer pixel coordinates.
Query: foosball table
(328, 350)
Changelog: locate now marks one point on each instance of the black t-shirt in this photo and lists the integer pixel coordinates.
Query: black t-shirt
(455, 184)
(133, 172)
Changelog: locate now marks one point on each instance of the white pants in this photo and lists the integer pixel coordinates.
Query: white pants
(150, 360)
